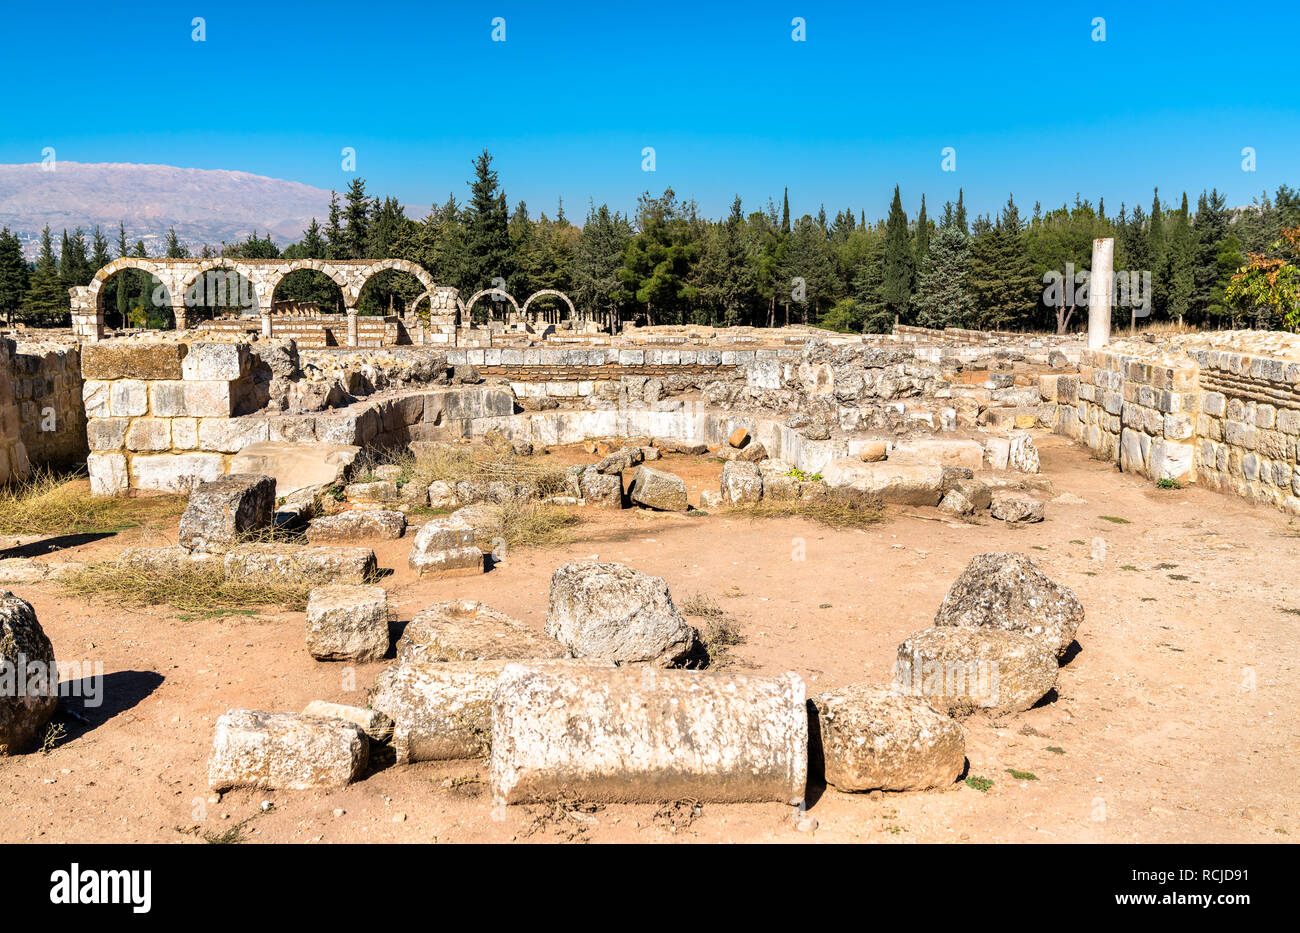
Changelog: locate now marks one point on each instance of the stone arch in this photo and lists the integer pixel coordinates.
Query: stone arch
(469, 305)
(282, 270)
(199, 268)
(91, 298)
(413, 269)
(541, 293)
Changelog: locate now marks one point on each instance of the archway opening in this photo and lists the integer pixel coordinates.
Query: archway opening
(135, 299)
(307, 293)
(550, 308)
(220, 294)
(389, 291)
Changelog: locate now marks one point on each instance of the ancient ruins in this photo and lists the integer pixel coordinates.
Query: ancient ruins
(292, 436)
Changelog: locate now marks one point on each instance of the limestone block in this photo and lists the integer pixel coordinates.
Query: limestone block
(216, 361)
(742, 483)
(95, 396)
(296, 563)
(114, 359)
(128, 398)
(29, 688)
(1173, 461)
(107, 433)
(108, 474)
(868, 738)
(284, 751)
(445, 547)
(175, 399)
(612, 612)
(646, 735)
(357, 525)
(296, 465)
(602, 490)
(185, 435)
(439, 711)
(149, 434)
(1008, 591)
(222, 511)
(175, 472)
(954, 452)
(376, 726)
(347, 623)
(1016, 508)
(962, 670)
(901, 483)
(658, 489)
(467, 630)
(231, 435)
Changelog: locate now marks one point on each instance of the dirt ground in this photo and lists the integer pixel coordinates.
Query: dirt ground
(1176, 722)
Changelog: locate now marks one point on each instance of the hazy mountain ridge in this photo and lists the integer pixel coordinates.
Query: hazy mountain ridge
(204, 205)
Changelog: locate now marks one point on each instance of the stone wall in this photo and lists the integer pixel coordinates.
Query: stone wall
(45, 380)
(14, 464)
(1201, 409)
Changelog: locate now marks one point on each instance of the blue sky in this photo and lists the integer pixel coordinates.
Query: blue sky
(730, 103)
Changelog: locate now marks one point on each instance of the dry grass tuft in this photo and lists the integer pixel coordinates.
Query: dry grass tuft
(838, 508)
(201, 587)
(698, 604)
(486, 461)
(50, 503)
(527, 525)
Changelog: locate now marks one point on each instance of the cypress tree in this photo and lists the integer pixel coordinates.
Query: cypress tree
(487, 232)
(899, 262)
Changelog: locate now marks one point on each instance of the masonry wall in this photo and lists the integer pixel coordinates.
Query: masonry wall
(14, 464)
(46, 384)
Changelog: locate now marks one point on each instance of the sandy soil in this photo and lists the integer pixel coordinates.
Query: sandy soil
(1175, 723)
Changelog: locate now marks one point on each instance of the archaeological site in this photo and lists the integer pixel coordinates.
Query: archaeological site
(542, 578)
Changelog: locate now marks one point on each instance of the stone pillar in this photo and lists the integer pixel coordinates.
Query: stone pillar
(178, 309)
(1099, 288)
(353, 339)
(87, 315)
(266, 323)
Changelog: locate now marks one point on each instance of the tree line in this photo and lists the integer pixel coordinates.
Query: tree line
(1211, 266)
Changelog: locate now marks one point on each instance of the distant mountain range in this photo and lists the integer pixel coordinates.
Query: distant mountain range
(205, 206)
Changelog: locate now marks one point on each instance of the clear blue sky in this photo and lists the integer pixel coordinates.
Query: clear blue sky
(728, 101)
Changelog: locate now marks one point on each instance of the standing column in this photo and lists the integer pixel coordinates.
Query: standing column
(178, 309)
(1099, 287)
(352, 327)
(266, 323)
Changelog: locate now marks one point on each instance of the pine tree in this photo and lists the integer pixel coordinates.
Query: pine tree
(1210, 228)
(487, 233)
(900, 263)
(99, 256)
(922, 239)
(48, 301)
(356, 215)
(1002, 281)
(599, 257)
(942, 299)
(175, 249)
(1178, 268)
(335, 238)
(13, 274)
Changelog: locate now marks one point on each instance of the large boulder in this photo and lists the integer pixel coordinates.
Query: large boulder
(29, 678)
(618, 734)
(865, 737)
(962, 670)
(1008, 591)
(285, 751)
(347, 623)
(899, 483)
(439, 710)
(742, 484)
(467, 630)
(657, 489)
(296, 464)
(223, 511)
(603, 490)
(357, 525)
(445, 547)
(612, 612)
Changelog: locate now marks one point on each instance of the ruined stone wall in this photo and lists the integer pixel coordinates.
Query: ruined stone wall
(45, 381)
(14, 464)
(1201, 409)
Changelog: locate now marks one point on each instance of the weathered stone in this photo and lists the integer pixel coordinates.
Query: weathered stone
(623, 459)
(1008, 591)
(213, 361)
(738, 438)
(752, 452)
(296, 563)
(710, 499)
(864, 737)
(657, 489)
(946, 452)
(357, 525)
(961, 670)
(376, 726)
(347, 623)
(742, 484)
(445, 547)
(378, 491)
(131, 360)
(617, 734)
(149, 434)
(104, 434)
(603, 490)
(175, 472)
(612, 612)
(191, 399)
(284, 751)
(901, 483)
(873, 451)
(224, 510)
(1016, 508)
(29, 677)
(108, 474)
(467, 630)
(955, 503)
(676, 446)
(439, 710)
(441, 494)
(976, 491)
